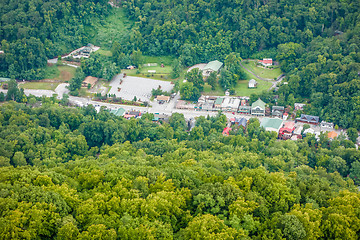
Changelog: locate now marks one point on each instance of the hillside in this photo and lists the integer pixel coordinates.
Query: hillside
(71, 173)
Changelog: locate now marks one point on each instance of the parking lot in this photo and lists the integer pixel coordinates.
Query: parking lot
(136, 86)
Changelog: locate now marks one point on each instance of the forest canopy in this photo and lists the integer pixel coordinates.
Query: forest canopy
(70, 173)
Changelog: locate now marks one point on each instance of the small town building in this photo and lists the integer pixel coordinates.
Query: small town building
(226, 131)
(89, 80)
(162, 98)
(272, 124)
(241, 122)
(244, 109)
(297, 132)
(287, 130)
(118, 112)
(277, 111)
(258, 108)
(213, 66)
(299, 106)
(308, 119)
(208, 106)
(266, 62)
(324, 124)
(218, 102)
(285, 116)
(332, 135)
(230, 104)
(252, 83)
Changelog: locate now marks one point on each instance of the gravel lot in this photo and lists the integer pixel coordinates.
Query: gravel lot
(136, 86)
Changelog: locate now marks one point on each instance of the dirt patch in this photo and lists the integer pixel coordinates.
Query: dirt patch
(65, 75)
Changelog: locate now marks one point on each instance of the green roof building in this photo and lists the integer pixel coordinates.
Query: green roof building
(272, 124)
(213, 66)
(258, 108)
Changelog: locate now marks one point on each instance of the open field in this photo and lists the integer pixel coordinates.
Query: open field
(242, 87)
(263, 72)
(39, 85)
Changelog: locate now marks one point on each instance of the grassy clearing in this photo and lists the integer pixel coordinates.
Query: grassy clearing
(263, 72)
(111, 29)
(39, 85)
(104, 52)
(166, 60)
(162, 73)
(59, 73)
(242, 87)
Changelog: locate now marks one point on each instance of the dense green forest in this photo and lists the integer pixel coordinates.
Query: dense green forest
(316, 43)
(72, 173)
(34, 30)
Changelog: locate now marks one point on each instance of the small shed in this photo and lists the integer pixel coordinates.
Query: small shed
(89, 80)
(252, 83)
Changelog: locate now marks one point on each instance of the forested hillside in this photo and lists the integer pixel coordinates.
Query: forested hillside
(71, 173)
(316, 42)
(33, 30)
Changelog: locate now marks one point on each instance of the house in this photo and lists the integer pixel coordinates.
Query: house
(285, 116)
(271, 124)
(241, 122)
(299, 106)
(226, 131)
(266, 62)
(1, 52)
(287, 130)
(324, 124)
(311, 131)
(308, 119)
(230, 104)
(277, 111)
(252, 83)
(297, 132)
(258, 108)
(218, 102)
(162, 98)
(213, 66)
(89, 80)
(332, 135)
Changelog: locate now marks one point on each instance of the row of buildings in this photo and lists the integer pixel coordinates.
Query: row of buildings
(232, 104)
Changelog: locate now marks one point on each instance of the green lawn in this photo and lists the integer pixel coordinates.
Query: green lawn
(243, 90)
(39, 85)
(166, 60)
(104, 52)
(263, 72)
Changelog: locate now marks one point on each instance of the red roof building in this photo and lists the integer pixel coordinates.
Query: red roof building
(287, 130)
(226, 131)
(266, 61)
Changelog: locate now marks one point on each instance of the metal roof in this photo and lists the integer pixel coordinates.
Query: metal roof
(213, 65)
